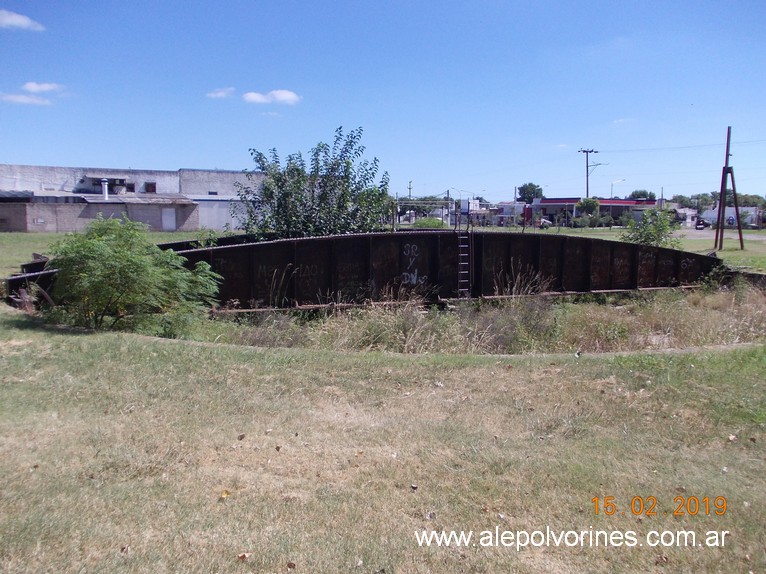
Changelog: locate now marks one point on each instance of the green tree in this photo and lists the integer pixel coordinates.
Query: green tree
(701, 201)
(112, 276)
(528, 192)
(743, 199)
(588, 205)
(655, 228)
(642, 194)
(683, 201)
(422, 206)
(333, 192)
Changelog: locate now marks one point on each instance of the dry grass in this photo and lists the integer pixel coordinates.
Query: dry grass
(525, 324)
(127, 454)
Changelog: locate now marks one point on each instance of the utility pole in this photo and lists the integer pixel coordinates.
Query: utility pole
(727, 170)
(587, 169)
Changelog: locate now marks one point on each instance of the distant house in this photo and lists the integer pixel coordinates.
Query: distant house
(561, 209)
(45, 198)
(749, 216)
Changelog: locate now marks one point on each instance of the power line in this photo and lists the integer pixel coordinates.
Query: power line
(698, 146)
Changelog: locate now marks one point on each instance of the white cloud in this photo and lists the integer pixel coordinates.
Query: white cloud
(221, 93)
(36, 87)
(10, 19)
(25, 99)
(273, 97)
(619, 121)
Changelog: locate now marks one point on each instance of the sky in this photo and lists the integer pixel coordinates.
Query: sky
(475, 97)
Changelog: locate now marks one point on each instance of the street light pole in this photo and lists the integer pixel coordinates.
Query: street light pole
(587, 169)
(611, 194)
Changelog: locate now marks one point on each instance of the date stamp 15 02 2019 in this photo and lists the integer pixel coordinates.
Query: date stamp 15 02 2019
(648, 506)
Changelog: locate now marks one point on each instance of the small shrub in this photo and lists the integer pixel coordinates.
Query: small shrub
(655, 229)
(111, 276)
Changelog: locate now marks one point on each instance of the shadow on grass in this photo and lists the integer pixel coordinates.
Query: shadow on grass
(25, 322)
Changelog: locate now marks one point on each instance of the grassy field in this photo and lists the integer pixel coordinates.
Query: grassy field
(121, 453)
(124, 453)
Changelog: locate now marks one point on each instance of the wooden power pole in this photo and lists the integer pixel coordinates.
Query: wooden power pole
(721, 220)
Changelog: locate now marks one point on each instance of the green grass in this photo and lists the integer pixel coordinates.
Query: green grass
(17, 248)
(752, 258)
(122, 453)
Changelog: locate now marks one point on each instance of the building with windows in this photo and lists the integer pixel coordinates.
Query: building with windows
(45, 198)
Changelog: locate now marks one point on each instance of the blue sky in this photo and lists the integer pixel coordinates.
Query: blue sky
(473, 96)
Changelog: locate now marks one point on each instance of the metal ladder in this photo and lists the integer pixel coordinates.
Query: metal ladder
(464, 264)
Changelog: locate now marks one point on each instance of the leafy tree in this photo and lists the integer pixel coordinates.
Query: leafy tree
(333, 192)
(743, 199)
(642, 194)
(422, 206)
(701, 201)
(528, 192)
(588, 205)
(751, 200)
(112, 276)
(683, 201)
(655, 228)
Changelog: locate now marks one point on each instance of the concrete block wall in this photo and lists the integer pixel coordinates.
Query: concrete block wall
(216, 214)
(201, 182)
(187, 216)
(65, 217)
(13, 216)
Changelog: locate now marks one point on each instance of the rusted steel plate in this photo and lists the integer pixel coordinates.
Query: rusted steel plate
(43, 279)
(313, 271)
(273, 273)
(351, 270)
(623, 261)
(691, 269)
(667, 263)
(496, 274)
(525, 253)
(600, 265)
(647, 265)
(417, 263)
(447, 265)
(234, 264)
(551, 261)
(385, 270)
(575, 270)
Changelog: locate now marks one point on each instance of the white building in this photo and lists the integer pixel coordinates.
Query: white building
(211, 192)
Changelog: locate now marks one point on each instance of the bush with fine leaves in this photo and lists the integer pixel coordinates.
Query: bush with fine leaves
(655, 229)
(112, 277)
